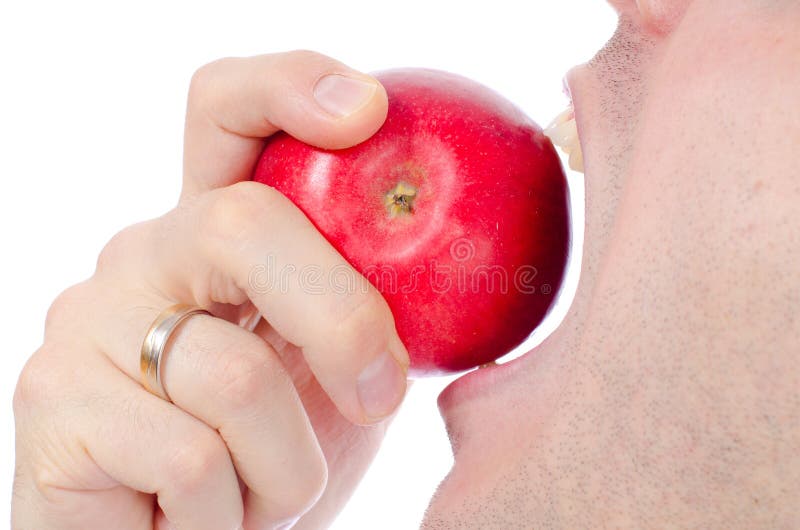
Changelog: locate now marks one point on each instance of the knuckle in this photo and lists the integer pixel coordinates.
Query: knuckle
(202, 78)
(196, 463)
(25, 392)
(300, 66)
(36, 383)
(302, 493)
(235, 210)
(45, 479)
(304, 57)
(63, 308)
(117, 251)
(243, 379)
(364, 317)
(203, 82)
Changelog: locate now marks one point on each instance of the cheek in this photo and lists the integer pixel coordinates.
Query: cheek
(662, 15)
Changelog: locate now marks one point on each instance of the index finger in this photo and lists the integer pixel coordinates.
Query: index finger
(234, 103)
(248, 242)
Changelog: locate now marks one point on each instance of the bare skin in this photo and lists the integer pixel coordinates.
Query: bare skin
(267, 428)
(670, 395)
(668, 398)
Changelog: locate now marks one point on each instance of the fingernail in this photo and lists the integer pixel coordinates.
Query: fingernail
(342, 95)
(381, 386)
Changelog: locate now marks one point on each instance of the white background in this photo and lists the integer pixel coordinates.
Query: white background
(92, 97)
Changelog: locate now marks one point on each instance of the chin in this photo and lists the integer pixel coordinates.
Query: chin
(497, 490)
(503, 421)
(468, 491)
(495, 418)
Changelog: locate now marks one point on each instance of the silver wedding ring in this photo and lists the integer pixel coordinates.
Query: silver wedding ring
(156, 340)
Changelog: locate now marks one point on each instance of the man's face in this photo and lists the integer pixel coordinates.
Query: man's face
(669, 395)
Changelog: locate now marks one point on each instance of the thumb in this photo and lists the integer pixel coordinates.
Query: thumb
(235, 103)
(326, 103)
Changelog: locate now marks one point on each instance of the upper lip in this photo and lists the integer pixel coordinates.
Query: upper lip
(571, 84)
(566, 88)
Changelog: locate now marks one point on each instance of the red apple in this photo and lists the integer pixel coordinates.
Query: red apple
(456, 210)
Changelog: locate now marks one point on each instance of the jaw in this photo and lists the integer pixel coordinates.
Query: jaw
(587, 454)
(497, 436)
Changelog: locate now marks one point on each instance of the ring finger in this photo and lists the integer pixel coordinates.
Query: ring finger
(157, 449)
(234, 382)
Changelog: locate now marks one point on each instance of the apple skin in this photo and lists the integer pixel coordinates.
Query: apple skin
(482, 197)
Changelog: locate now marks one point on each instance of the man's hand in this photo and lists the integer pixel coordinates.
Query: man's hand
(262, 426)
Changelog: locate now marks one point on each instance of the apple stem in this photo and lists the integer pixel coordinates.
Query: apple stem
(400, 199)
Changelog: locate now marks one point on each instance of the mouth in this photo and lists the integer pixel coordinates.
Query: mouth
(563, 130)
(475, 383)
(563, 133)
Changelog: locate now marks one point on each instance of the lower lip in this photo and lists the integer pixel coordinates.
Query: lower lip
(475, 384)
(479, 382)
